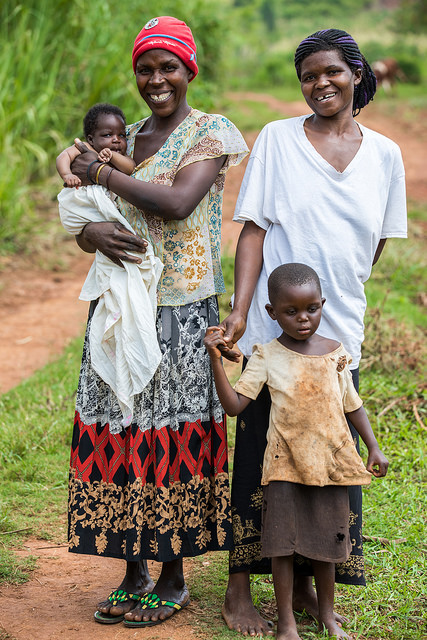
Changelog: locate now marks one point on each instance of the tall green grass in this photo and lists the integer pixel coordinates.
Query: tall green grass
(57, 59)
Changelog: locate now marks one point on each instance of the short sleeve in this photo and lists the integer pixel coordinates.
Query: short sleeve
(254, 375)
(395, 217)
(350, 398)
(213, 136)
(250, 202)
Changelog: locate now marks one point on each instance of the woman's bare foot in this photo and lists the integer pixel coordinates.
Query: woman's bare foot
(238, 610)
(305, 599)
(170, 586)
(137, 580)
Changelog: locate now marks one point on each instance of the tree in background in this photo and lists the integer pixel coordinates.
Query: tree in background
(412, 16)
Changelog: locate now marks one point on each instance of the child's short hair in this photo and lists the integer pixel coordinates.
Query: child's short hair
(90, 120)
(292, 274)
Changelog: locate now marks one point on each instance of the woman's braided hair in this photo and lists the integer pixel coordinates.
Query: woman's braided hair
(335, 39)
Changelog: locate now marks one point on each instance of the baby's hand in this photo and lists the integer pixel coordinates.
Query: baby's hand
(377, 463)
(70, 180)
(105, 155)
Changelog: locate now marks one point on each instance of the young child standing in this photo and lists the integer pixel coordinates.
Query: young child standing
(104, 127)
(310, 458)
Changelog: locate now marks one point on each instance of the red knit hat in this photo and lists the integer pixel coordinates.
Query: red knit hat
(167, 33)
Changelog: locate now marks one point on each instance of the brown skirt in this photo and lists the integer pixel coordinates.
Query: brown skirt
(311, 521)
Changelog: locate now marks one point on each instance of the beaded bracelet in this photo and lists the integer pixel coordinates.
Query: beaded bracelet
(100, 168)
(108, 177)
(88, 171)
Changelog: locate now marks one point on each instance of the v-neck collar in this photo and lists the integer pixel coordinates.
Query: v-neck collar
(330, 169)
(173, 134)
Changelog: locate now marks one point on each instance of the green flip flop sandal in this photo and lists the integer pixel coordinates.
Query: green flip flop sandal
(152, 601)
(117, 596)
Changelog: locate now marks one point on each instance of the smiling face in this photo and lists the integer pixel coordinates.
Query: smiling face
(297, 309)
(110, 132)
(327, 83)
(162, 80)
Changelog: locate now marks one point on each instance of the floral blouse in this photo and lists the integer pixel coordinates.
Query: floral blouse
(190, 248)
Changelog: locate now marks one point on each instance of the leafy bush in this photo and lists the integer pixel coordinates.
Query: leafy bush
(70, 56)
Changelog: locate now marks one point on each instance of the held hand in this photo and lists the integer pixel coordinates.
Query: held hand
(113, 240)
(216, 346)
(105, 155)
(233, 327)
(213, 340)
(377, 463)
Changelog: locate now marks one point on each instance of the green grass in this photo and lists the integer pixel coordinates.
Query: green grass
(35, 431)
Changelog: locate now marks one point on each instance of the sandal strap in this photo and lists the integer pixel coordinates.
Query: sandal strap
(120, 595)
(152, 601)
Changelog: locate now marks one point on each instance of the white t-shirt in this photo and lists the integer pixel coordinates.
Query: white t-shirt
(329, 220)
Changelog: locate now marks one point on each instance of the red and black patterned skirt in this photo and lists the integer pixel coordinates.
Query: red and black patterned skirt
(159, 488)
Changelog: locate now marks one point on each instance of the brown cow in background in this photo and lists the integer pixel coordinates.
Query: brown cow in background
(387, 71)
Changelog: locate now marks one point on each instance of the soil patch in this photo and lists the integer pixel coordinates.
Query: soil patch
(58, 602)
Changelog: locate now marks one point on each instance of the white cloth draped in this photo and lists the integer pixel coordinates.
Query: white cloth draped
(123, 340)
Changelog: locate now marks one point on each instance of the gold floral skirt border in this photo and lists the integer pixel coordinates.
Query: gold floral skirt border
(158, 495)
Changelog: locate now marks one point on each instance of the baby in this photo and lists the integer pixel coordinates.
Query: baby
(105, 132)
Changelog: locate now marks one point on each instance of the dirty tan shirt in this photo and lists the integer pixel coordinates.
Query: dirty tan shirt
(308, 439)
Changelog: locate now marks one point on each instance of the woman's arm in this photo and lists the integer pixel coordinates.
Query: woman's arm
(232, 402)
(190, 185)
(379, 251)
(377, 462)
(247, 267)
(175, 202)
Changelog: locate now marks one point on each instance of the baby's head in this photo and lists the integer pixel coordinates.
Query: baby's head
(295, 299)
(104, 126)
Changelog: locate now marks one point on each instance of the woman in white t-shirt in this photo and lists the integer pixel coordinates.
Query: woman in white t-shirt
(322, 190)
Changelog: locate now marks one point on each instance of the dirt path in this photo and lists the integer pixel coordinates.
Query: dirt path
(39, 314)
(58, 602)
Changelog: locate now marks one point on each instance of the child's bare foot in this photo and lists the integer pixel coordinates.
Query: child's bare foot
(305, 599)
(287, 632)
(333, 629)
